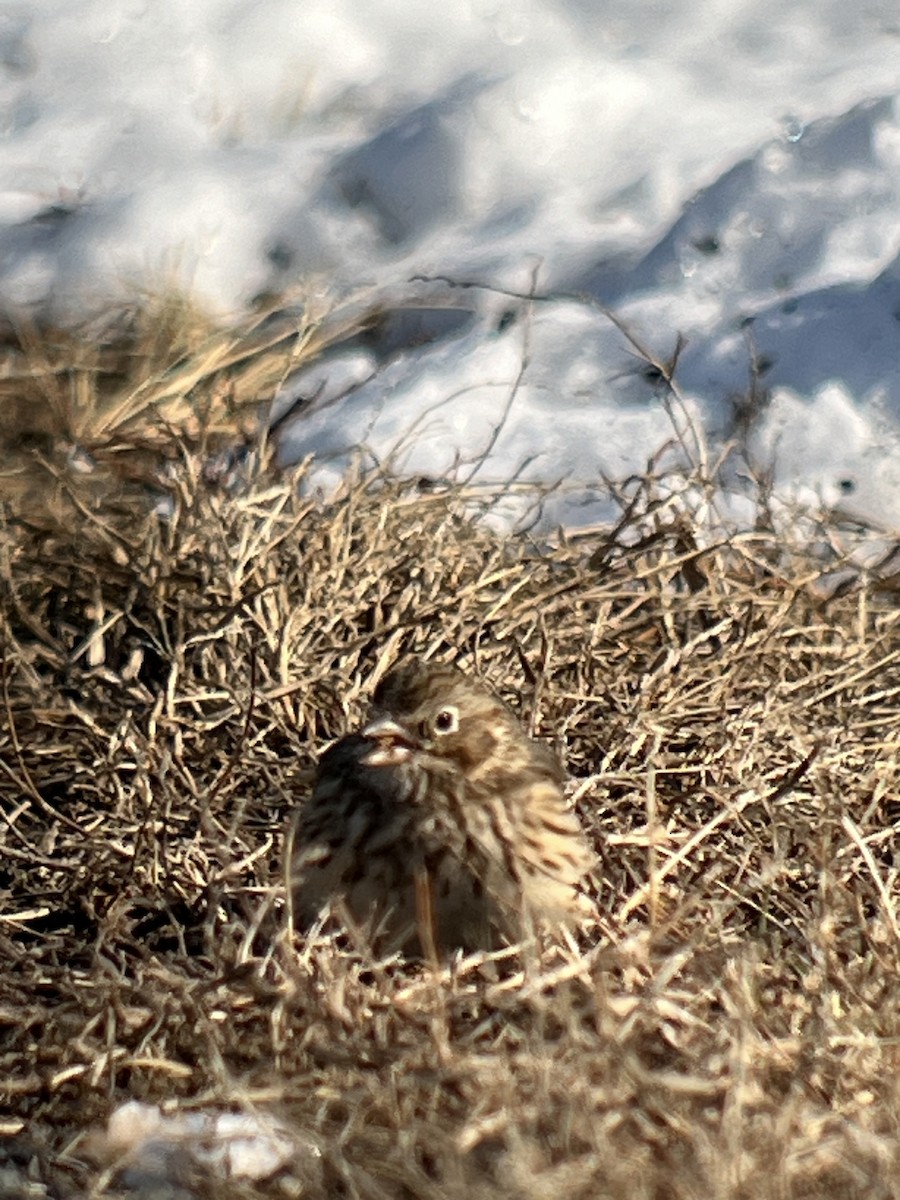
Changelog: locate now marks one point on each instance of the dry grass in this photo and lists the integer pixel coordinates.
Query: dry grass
(729, 1027)
(91, 417)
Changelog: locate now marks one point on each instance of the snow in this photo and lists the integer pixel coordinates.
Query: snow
(155, 1150)
(725, 170)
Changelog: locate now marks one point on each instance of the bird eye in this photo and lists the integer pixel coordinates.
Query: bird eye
(447, 720)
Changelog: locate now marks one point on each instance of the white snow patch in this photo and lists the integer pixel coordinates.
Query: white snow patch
(725, 170)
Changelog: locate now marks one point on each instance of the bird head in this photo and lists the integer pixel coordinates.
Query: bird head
(433, 712)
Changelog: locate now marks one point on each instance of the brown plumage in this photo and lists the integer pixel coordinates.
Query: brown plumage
(441, 825)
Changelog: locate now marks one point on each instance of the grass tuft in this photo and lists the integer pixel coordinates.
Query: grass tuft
(728, 1028)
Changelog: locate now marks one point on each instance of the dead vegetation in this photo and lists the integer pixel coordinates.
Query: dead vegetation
(729, 1027)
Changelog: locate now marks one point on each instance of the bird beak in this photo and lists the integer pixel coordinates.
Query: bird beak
(392, 744)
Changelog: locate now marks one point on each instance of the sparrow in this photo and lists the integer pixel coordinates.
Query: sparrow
(440, 825)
